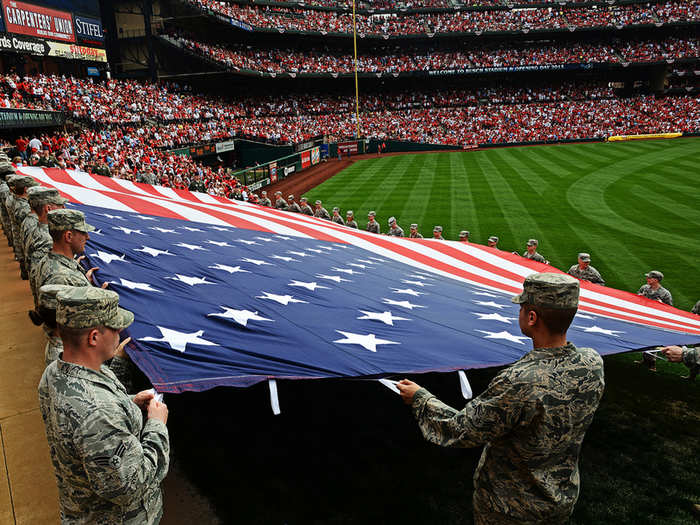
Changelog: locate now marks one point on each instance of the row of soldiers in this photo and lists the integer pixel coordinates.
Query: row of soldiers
(582, 270)
(109, 442)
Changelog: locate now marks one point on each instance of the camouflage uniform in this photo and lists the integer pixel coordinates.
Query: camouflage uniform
(39, 244)
(336, 217)
(350, 220)
(534, 257)
(306, 209)
(691, 359)
(321, 212)
(438, 230)
(532, 419)
(587, 274)
(6, 171)
(265, 202)
(109, 464)
(281, 204)
(696, 308)
(396, 231)
(372, 224)
(413, 233)
(293, 207)
(660, 293)
(8, 204)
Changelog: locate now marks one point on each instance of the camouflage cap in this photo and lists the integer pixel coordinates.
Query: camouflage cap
(10, 179)
(63, 219)
(264, 192)
(414, 226)
(585, 257)
(6, 167)
(335, 208)
(90, 307)
(291, 197)
(391, 219)
(372, 214)
(464, 233)
(47, 295)
(349, 213)
(549, 290)
(41, 196)
(654, 274)
(278, 193)
(493, 238)
(437, 229)
(25, 181)
(319, 202)
(532, 242)
(303, 199)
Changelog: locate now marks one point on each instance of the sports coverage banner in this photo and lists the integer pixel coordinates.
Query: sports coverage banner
(228, 293)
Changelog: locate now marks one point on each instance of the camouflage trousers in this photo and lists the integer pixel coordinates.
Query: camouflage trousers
(493, 518)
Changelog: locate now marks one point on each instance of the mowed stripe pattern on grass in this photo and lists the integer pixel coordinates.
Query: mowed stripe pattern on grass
(632, 205)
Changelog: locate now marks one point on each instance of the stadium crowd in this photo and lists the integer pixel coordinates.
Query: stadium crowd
(406, 60)
(298, 19)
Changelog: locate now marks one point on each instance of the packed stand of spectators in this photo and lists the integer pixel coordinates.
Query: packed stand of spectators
(298, 19)
(407, 59)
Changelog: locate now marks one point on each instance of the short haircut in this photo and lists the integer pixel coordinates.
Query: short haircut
(557, 320)
(48, 315)
(74, 337)
(38, 208)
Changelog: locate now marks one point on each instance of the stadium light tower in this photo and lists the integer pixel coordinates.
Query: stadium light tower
(357, 96)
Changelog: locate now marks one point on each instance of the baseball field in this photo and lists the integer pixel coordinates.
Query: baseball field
(632, 205)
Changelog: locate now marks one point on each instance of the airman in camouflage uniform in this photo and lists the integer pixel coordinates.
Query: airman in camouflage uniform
(653, 289)
(531, 418)
(350, 219)
(6, 169)
(696, 309)
(293, 206)
(464, 236)
(584, 271)
(18, 213)
(264, 201)
(690, 357)
(531, 252)
(7, 202)
(280, 203)
(372, 224)
(321, 212)
(59, 266)
(305, 208)
(413, 233)
(492, 242)
(47, 311)
(109, 463)
(437, 233)
(394, 228)
(336, 216)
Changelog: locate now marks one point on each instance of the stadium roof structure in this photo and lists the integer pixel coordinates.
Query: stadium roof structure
(228, 293)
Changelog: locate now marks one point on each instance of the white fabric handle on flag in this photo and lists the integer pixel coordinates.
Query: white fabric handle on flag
(274, 399)
(464, 383)
(391, 385)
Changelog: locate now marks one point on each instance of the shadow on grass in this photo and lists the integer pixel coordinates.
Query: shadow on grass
(350, 452)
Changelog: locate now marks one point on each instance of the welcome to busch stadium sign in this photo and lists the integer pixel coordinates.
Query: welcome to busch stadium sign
(37, 21)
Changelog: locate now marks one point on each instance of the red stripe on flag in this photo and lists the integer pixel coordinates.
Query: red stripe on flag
(138, 204)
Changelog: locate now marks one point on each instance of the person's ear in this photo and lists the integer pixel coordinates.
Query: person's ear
(532, 318)
(93, 337)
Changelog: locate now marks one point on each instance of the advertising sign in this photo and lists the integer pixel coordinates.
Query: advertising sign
(76, 52)
(34, 20)
(22, 118)
(347, 147)
(273, 171)
(315, 155)
(305, 159)
(227, 145)
(89, 30)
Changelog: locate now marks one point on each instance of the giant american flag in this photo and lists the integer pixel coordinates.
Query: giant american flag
(231, 293)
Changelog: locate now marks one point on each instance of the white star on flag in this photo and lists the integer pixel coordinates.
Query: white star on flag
(494, 317)
(128, 231)
(190, 229)
(246, 241)
(365, 261)
(327, 248)
(377, 259)
(108, 258)
(240, 316)
(336, 278)
(346, 270)
(407, 291)
(266, 239)
(190, 246)
(229, 269)
(418, 276)
(97, 232)
(385, 317)
(486, 294)
(191, 280)
(282, 299)
(164, 230)
(368, 341)
(221, 244)
(146, 218)
(314, 250)
(597, 330)
(256, 262)
(284, 238)
(299, 254)
(415, 283)
(220, 229)
(361, 266)
(309, 286)
(283, 258)
(503, 335)
(136, 286)
(112, 217)
(179, 340)
(490, 303)
(584, 316)
(153, 251)
(402, 304)
(340, 246)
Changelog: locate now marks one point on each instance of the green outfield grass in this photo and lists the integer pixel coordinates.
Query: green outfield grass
(632, 205)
